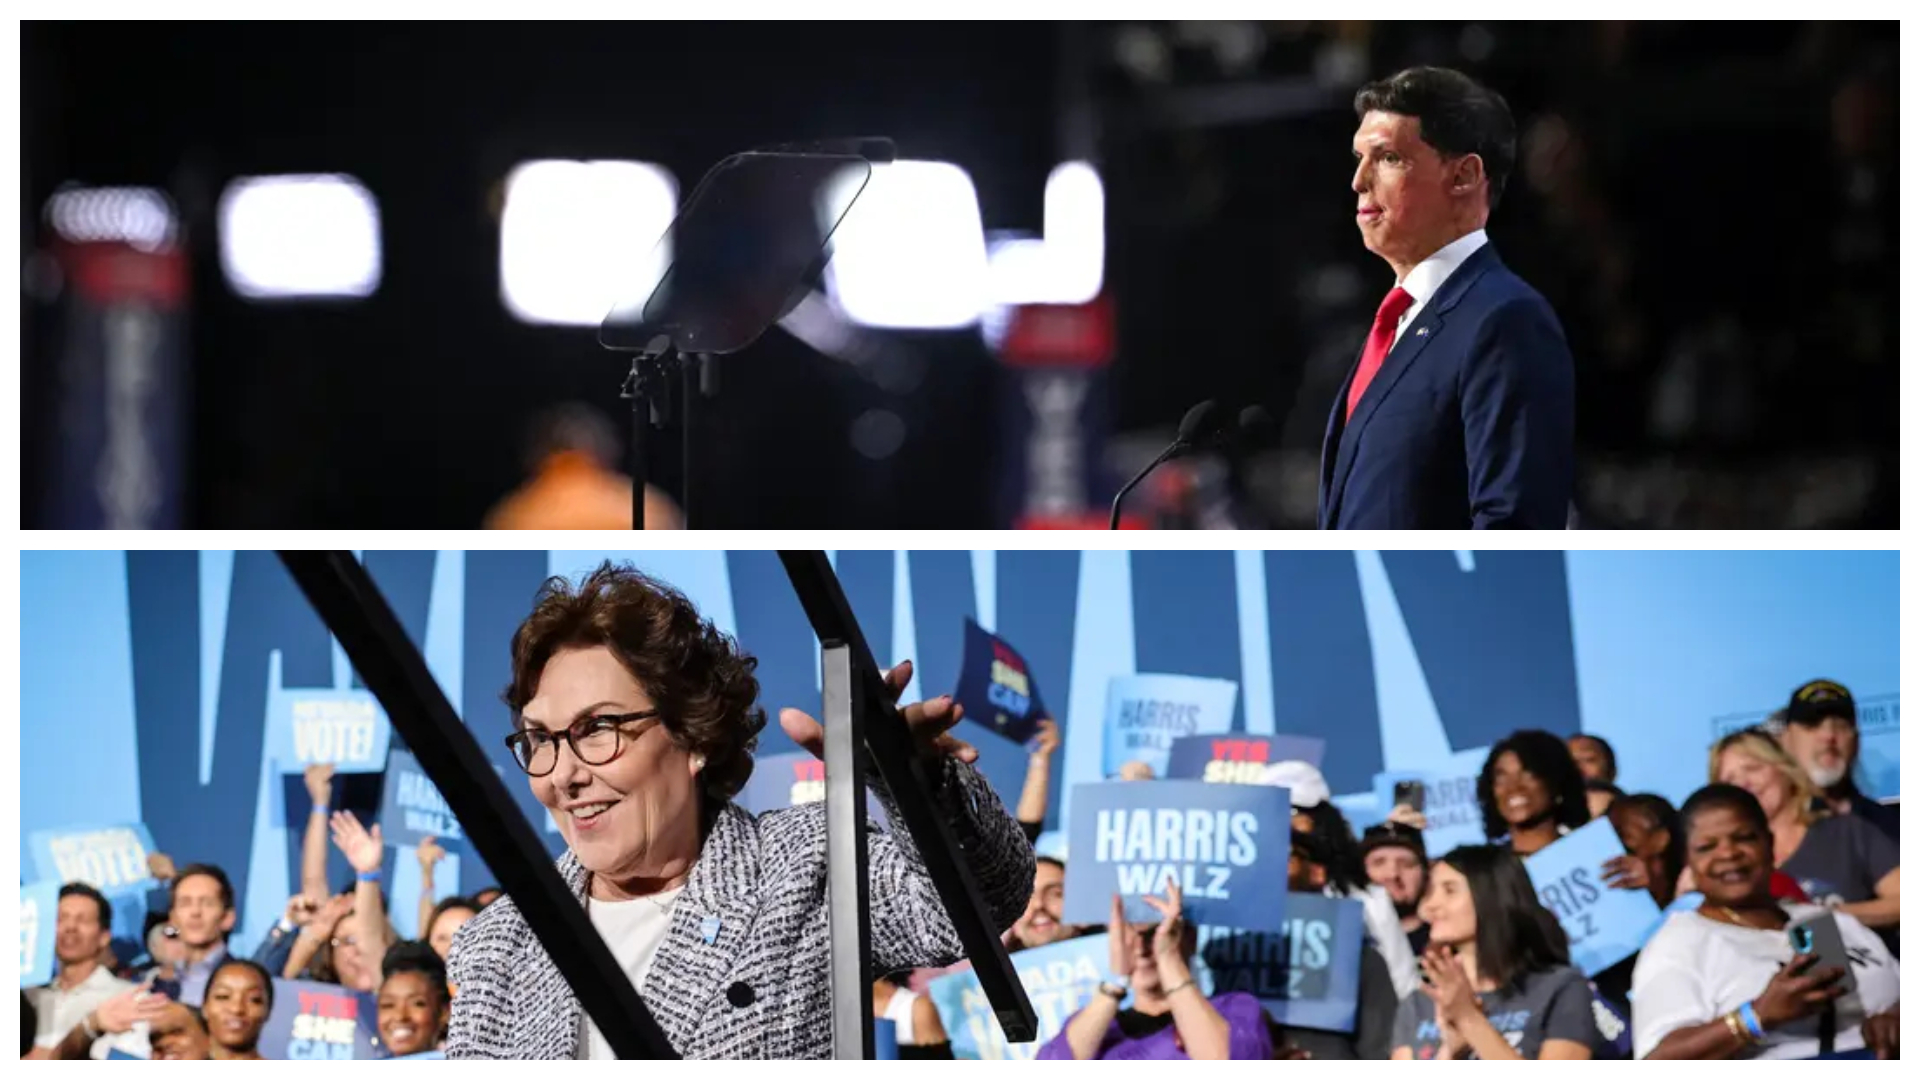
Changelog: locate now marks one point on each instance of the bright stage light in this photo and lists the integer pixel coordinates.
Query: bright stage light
(284, 237)
(577, 236)
(911, 253)
(1076, 231)
(140, 217)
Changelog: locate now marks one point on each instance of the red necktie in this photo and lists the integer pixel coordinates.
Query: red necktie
(1379, 342)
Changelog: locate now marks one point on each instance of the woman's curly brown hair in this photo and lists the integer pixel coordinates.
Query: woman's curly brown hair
(697, 676)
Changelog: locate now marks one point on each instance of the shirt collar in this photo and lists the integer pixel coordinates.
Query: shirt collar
(98, 979)
(1425, 280)
(213, 958)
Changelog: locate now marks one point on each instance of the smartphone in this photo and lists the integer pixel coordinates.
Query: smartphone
(1411, 794)
(1819, 936)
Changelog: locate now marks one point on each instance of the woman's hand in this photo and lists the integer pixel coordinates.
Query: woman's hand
(326, 920)
(1046, 739)
(1122, 942)
(1625, 872)
(429, 853)
(1166, 937)
(927, 721)
(1453, 997)
(1882, 1032)
(363, 850)
(1796, 992)
(118, 1014)
(319, 780)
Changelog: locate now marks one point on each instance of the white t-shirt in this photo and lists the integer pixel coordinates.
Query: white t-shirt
(60, 1011)
(1697, 969)
(633, 930)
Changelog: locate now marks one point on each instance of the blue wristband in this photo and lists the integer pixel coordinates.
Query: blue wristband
(373, 876)
(1752, 1020)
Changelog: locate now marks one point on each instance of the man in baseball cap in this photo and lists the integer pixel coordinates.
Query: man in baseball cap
(1822, 733)
(1395, 856)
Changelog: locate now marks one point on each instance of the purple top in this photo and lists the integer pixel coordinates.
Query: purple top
(1247, 1037)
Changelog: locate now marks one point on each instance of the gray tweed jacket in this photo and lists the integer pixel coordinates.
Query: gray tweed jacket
(765, 882)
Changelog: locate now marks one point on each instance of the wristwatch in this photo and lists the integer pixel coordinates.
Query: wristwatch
(1117, 990)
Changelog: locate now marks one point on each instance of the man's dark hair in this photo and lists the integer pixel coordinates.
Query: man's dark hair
(416, 956)
(1457, 115)
(81, 888)
(1515, 935)
(204, 870)
(1606, 751)
(451, 903)
(1546, 756)
(266, 977)
(1038, 859)
(1597, 784)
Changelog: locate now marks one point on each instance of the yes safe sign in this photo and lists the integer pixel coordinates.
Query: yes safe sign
(1225, 844)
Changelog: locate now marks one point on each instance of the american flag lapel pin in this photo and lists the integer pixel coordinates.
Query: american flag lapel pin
(1422, 332)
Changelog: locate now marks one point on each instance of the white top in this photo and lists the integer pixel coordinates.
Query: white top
(633, 930)
(60, 1011)
(1425, 280)
(1697, 969)
(900, 1011)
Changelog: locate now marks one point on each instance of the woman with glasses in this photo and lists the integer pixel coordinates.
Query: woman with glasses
(635, 721)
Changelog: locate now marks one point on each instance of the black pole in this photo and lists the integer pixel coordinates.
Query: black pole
(348, 601)
(890, 751)
(689, 375)
(633, 390)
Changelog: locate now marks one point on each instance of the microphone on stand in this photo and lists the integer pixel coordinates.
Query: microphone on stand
(1201, 421)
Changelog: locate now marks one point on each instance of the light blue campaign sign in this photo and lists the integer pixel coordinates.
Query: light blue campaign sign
(315, 1021)
(1146, 713)
(1237, 758)
(1453, 802)
(1060, 979)
(344, 728)
(1604, 926)
(424, 1055)
(39, 911)
(1307, 976)
(1226, 844)
(412, 809)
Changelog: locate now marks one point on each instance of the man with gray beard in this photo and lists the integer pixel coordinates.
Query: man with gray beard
(1822, 733)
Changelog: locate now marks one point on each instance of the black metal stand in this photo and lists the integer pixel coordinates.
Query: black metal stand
(870, 718)
(348, 601)
(655, 384)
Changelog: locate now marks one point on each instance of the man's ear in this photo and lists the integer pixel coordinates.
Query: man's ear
(227, 921)
(1468, 173)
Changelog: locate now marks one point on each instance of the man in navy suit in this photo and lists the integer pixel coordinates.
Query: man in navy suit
(1459, 413)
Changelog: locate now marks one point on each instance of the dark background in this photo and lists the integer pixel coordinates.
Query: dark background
(1710, 208)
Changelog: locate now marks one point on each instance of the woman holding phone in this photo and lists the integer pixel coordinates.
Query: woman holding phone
(1730, 981)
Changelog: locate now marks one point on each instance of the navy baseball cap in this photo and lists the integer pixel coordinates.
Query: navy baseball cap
(1819, 699)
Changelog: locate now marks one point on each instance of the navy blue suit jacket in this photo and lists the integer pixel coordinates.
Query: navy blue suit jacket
(1468, 423)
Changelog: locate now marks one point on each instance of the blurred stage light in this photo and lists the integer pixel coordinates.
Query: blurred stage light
(1076, 230)
(139, 217)
(284, 237)
(577, 236)
(911, 253)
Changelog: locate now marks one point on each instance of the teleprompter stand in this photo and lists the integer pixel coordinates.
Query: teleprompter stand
(740, 254)
(862, 730)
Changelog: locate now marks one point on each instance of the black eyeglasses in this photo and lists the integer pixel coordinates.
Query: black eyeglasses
(595, 741)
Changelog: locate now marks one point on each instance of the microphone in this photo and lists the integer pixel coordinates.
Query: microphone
(1202, 420)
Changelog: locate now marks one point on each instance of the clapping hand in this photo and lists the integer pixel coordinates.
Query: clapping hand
(1166, 937)
(1446, 984)
(927, 721)
(119, 1013)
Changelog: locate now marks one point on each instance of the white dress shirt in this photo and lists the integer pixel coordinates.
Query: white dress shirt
(61, 1010)
(1425, 280)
